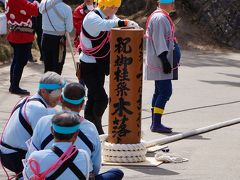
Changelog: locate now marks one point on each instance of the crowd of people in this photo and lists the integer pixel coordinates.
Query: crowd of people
(38, 133)
(40, 143)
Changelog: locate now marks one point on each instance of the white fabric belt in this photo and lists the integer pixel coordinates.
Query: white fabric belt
(56, 33)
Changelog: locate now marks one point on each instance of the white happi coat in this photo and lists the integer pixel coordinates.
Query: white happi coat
(159, 39)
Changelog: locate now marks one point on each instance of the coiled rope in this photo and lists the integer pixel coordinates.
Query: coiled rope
(124, 153)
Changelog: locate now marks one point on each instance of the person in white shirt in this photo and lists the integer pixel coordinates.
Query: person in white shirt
(95, 56)
(56, 21)
(24, 118)
(64, 160)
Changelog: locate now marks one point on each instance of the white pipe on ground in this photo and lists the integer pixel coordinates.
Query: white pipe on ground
(177, 137)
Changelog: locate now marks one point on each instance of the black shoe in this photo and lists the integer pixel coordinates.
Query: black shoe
(161, 129)
(166, 127)
(19, 91)
(11, 89)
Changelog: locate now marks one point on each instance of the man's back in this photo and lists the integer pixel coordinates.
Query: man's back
(41, 140)
(51, 18)
(46, 158)
(16, 133)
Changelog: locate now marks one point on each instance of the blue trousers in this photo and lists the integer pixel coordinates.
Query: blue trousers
(112, 174)
(20, 58)
(163, 92)
(176, 60)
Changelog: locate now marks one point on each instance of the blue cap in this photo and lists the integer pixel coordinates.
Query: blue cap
(166, 1)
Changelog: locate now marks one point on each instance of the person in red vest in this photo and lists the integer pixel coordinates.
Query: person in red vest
(78, 15)
(20, 37)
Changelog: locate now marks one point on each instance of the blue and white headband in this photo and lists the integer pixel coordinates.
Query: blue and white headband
(73, 101)
(166, 1)
(64, 129)
(51, 86)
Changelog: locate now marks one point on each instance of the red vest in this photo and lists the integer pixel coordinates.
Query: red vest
(78, 15)
(19, 13)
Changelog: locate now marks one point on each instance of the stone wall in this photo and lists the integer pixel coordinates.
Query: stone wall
(220, 17)
(129, 7)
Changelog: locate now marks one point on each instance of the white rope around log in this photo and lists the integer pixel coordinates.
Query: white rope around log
(124, 153)
(124, 159)
(124, 147)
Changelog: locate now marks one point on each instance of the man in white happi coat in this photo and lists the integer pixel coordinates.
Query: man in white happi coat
(160, 63)
(64, 160)
(88, 139)
(24, 118)
(56, 21)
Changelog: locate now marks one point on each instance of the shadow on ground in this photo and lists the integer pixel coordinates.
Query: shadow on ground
(153, 171)
(209, 60)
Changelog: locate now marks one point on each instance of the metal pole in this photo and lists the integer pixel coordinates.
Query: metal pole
(71, 49)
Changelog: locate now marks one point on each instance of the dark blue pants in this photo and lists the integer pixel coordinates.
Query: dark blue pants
(163, 92)
(13, 161)
(20, 58)
(54, 52)
(38, 30)
(112, 174)
(93, 76)
(176, 60)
